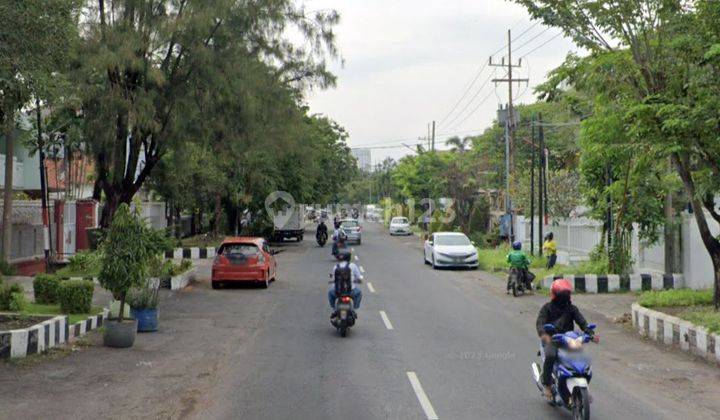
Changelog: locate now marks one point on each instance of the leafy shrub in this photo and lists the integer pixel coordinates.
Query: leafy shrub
(17, 302)
(177, 269)
(6, 269)
(85, 262)
(167, 268)
(75, 296)
(45, 287)
(6, 295)
(143, 298)
(677, 297)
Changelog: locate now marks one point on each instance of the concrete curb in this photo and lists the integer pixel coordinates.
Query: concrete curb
(606, 283)
(193, 253)
(45, 335)
(676, 332)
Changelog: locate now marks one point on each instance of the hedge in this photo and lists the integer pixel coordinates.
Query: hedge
(11, 298)
(75, 296)
(46, 287)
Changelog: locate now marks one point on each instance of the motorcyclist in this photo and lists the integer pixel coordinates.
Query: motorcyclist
(336, 222)
(563, 315)
(519, 261)
(356, 276)
(321, 228)
(339, 238)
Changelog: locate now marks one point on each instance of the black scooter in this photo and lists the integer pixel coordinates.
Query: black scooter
(321, 238)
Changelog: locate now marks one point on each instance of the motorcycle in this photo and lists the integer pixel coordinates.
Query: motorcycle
(346, 315)
(571, 374)
(321, 238)
(515, 283)
(338, 246)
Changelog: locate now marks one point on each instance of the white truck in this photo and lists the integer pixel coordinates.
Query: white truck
(289, 223)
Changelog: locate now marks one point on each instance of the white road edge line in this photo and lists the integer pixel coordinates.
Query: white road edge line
(386, 320)
(422, 397)
(362, 269)
(370, 287)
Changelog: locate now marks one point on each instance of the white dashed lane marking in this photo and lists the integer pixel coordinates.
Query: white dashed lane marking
(371, 288)
(422, 396)
(386, 320)
(362, 269)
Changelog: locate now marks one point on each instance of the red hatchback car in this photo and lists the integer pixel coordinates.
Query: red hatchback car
(244, 259)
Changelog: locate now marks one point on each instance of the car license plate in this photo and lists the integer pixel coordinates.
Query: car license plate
(343, 315)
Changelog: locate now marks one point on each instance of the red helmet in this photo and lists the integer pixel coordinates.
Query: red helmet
(560, 286)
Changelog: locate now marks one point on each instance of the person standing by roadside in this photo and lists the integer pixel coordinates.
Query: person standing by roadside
(550, 249)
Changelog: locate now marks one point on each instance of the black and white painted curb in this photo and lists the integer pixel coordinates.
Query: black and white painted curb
(676, 332)
(193, 253)
(606, 283)
(178, 282)
(45, 335)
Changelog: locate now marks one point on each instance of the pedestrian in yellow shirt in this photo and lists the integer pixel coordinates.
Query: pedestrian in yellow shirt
(550, 249)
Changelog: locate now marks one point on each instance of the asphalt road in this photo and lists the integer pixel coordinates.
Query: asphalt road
(446, 344)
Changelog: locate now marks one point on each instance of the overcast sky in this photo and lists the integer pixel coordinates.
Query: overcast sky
(408, 62)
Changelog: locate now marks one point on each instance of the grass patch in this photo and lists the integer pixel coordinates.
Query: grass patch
(54, 309)
(705, 316)
(72, 272)
(677, 297)
(201, 241)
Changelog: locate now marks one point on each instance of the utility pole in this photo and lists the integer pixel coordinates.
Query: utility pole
(43, 187)
(509, 80)
(532, 185)
(541, 179)
(428, 136)
(509, 124)
(433, 135)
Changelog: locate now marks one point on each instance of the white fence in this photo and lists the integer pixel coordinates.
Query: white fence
(577, 237)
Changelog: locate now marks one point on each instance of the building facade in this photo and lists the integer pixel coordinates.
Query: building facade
(364, 158)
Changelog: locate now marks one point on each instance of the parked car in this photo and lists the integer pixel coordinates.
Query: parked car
(244, 259)
(450, 249)
(352, 230)
(400, 226)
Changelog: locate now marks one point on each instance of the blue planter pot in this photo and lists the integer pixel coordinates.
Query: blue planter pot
(147, 319)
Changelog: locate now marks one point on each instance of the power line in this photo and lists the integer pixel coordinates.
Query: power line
(526, 30)
(391, 142)
(467, 89)
(471, 100)
(474, 109)
(542, 45)
(531, 39)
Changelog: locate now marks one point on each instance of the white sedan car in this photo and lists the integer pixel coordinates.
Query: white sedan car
(450, 249)
(400, 226)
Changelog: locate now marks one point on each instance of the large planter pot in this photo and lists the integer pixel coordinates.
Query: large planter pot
(120, 334)
(147, 319)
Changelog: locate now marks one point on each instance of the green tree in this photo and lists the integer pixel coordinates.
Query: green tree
(146, 69)
(34, 40)
(654, 66)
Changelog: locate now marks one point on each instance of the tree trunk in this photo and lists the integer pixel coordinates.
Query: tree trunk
(193, 223)
(178, 224)
(112, 201)
(8, 192)
(682, 164)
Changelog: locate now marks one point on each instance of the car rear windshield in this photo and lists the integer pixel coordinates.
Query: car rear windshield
(349, 223)
(239, 250)
(452, 240)
(400, 220)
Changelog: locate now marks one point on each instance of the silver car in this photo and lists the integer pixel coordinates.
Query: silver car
(352, 230)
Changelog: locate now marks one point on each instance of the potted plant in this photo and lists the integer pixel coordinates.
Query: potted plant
(143, 307)
(127, 248)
